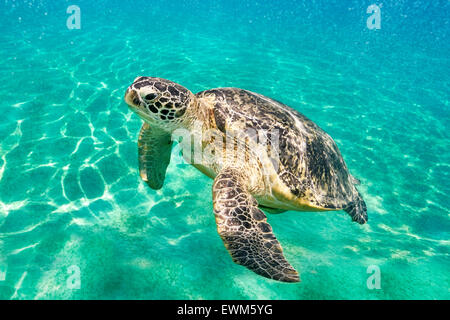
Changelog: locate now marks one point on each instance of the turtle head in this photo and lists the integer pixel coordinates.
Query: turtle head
(159, 102)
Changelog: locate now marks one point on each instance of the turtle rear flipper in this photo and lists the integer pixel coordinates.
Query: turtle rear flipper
(244, 229)
(154, 149)
(357, 209)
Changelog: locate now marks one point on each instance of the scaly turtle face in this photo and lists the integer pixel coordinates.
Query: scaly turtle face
(158, 101)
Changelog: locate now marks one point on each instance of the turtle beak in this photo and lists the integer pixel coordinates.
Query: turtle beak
(134, 103)
(132, 98)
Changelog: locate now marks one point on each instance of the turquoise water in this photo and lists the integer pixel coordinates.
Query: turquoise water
(71, 196)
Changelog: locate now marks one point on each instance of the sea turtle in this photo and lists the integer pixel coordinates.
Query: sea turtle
(302, 171)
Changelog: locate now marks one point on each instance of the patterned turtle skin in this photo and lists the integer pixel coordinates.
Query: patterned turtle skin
(307, 173)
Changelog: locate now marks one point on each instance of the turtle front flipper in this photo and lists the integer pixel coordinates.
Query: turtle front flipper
(244, 229)
(154, 149)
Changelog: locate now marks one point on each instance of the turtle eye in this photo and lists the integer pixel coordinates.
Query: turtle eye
(151, 96)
